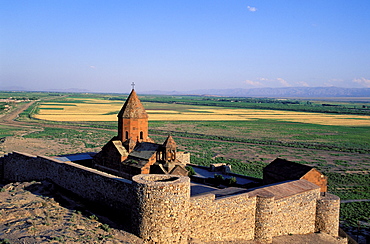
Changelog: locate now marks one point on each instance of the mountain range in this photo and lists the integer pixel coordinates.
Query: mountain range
(303, 92)
(274, 92)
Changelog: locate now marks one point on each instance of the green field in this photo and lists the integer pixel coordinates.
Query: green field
(6, 131)
(272, 132)
(340, 152)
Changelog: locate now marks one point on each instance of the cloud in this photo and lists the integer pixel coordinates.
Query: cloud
(362, 81)
(328, 84)
(283, 82)
(92, 67)
(303, 83)
(252, 9)
(253, 83)
(276, 82)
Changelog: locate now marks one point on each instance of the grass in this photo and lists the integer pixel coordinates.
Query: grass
(105, 227)
(4, 241)
(44, 108)
(354, 212)
(6, 131)
(288, 128)
(2, 106)
(90, 138)
(349, 186)
(271, 132)
(256, 130)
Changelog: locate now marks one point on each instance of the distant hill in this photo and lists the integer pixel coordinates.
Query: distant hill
(304, 92)
(72, 90)
(21, 89)
(275, 92)
(12, 88)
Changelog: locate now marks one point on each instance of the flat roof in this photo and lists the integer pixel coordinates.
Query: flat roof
(196, 189)
(203, 172)
(284, 189)
(278, 190)
(75, 157)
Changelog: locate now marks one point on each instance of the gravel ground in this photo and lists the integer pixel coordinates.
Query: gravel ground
(30, 214)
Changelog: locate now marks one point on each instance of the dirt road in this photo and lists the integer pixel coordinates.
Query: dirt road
(9, 119)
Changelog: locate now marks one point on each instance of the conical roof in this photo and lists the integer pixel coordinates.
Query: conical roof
(169, 142)
(133, 108)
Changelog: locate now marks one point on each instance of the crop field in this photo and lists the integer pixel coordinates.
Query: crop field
(8, 131)
(246, 134)
(106, 110)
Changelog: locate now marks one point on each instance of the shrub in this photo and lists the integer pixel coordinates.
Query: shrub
(105, 227)
(219, 179)
(191, 170)
(93, 217)
(231, 181)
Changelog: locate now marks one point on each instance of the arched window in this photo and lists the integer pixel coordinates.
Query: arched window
(126, 135)
(141, 135)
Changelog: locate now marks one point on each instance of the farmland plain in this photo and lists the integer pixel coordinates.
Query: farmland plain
(246, 135)
(105, 110)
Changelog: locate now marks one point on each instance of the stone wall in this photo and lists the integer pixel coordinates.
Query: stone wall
(317, 178)
(135, 128)
(160, 209)
(183, 157)
(265, 217)
(1, 168)
(226, 218)
(92, 185)
(296, 214)
(260, 214)
(327, 214)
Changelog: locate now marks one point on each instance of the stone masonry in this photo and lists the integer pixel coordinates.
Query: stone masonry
(327, 214)
(161, 209)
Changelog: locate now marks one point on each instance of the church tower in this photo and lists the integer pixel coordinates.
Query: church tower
(133, 120)
(169, 150)
(133, 152)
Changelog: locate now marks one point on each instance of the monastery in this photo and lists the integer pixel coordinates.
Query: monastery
(147, 186)
(132, 152)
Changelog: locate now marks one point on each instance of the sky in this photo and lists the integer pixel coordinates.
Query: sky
(104, 46)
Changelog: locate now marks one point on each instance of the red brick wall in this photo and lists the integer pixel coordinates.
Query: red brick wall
(317, 178)
(146, 168)
(133, 127)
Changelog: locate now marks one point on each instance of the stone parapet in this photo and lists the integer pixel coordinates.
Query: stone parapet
(183, 157)
(100, 188)
(265, 209)
(161, 212)
(296, 214)
(221, 219)
(327, 214)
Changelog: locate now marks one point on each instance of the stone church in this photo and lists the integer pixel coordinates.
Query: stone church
(133, 152)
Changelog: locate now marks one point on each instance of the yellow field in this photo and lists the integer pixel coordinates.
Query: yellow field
(101, 110)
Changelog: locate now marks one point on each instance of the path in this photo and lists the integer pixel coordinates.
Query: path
(9, 120)
(10, 117)
(355, 200)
